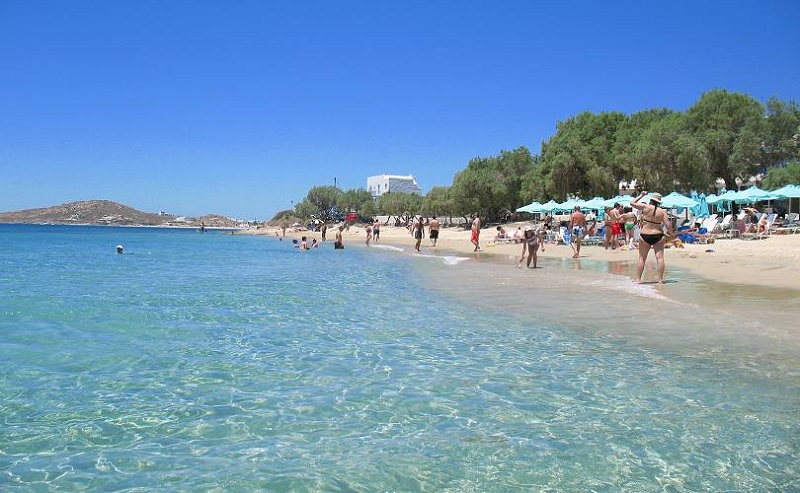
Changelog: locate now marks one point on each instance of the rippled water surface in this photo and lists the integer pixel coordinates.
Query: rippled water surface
(236, 363)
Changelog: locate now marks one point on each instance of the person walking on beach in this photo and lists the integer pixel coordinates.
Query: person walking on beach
(577, 228)
(369, 234)
(376, 230)
(476, 231)
(419, 231)
(652, 236)
(612, 227)
(433, 230)
(339, 244)
(531, 240)
(324, 231)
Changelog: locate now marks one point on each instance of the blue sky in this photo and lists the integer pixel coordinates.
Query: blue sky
(240, 107)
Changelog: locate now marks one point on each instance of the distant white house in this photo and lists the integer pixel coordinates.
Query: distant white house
(381, 184)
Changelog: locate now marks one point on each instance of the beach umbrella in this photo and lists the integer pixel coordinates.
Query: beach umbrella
(619, 199)
(757, 194)
(732, 196)
(531, 208)
(568, 205)
(788, 192)
(676, 200)
(597, 203)
(701, 209)
(549, 206)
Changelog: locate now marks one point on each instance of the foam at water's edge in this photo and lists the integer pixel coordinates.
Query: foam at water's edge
(388, 247)
(626, 285)
(447, 259)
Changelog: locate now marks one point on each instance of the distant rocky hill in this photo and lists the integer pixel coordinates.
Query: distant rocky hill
(110, 213)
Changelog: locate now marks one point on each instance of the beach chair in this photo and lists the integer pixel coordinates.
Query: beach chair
(725, 223)
(765, 233)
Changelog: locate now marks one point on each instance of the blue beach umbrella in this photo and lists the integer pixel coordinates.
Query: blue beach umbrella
(676, 200)
(597, 204)
(757, 194)
(549, 206)
(788, 192)
(568, 205)
(532, 208)
(732, 196)
(701, 209)
(619, 199)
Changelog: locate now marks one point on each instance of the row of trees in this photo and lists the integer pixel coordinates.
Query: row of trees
(724, 135)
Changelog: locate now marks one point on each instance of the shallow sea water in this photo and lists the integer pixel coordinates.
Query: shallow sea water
(214, 362)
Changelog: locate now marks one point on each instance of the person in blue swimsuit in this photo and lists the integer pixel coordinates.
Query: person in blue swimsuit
(653, 219)
(577, 229)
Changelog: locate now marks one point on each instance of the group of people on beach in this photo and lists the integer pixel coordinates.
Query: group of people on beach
(652, 218)
(417, 229)
(656, 229)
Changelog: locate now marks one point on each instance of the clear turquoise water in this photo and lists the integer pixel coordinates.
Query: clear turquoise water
(203, 362)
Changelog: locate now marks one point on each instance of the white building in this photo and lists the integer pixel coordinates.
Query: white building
(381, 184)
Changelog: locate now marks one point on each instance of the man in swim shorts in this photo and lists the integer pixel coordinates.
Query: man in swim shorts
(433, 230)
(339, 244)
(577, 228)
(376, 230)
(476, 231)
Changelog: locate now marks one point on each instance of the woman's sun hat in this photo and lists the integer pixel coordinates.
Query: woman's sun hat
(655, 197)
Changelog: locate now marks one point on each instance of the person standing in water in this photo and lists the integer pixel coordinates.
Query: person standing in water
(339, 243)
(531, 240)
(652, 237)
(419, 231)
(376, 230)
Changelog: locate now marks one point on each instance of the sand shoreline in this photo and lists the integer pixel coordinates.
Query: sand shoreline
(770, 262)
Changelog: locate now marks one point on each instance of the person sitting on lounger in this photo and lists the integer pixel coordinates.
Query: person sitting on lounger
(501, 234)
(762, 227)
(518, 236)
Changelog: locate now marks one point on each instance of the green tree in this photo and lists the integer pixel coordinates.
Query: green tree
(353, 199)
(491, 186)
(437, 202)
(668, 157)
(629, 136)
(580, 158)
(321, 203)
(779, 176)
(401, 205)
(780, 145)
(727, 125)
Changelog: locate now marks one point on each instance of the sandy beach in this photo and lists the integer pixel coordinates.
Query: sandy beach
(773, 261)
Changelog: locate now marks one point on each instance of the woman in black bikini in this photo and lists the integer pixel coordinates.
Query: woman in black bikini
(653, 220)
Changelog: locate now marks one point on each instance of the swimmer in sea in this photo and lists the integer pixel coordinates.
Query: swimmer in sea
(120, 249)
